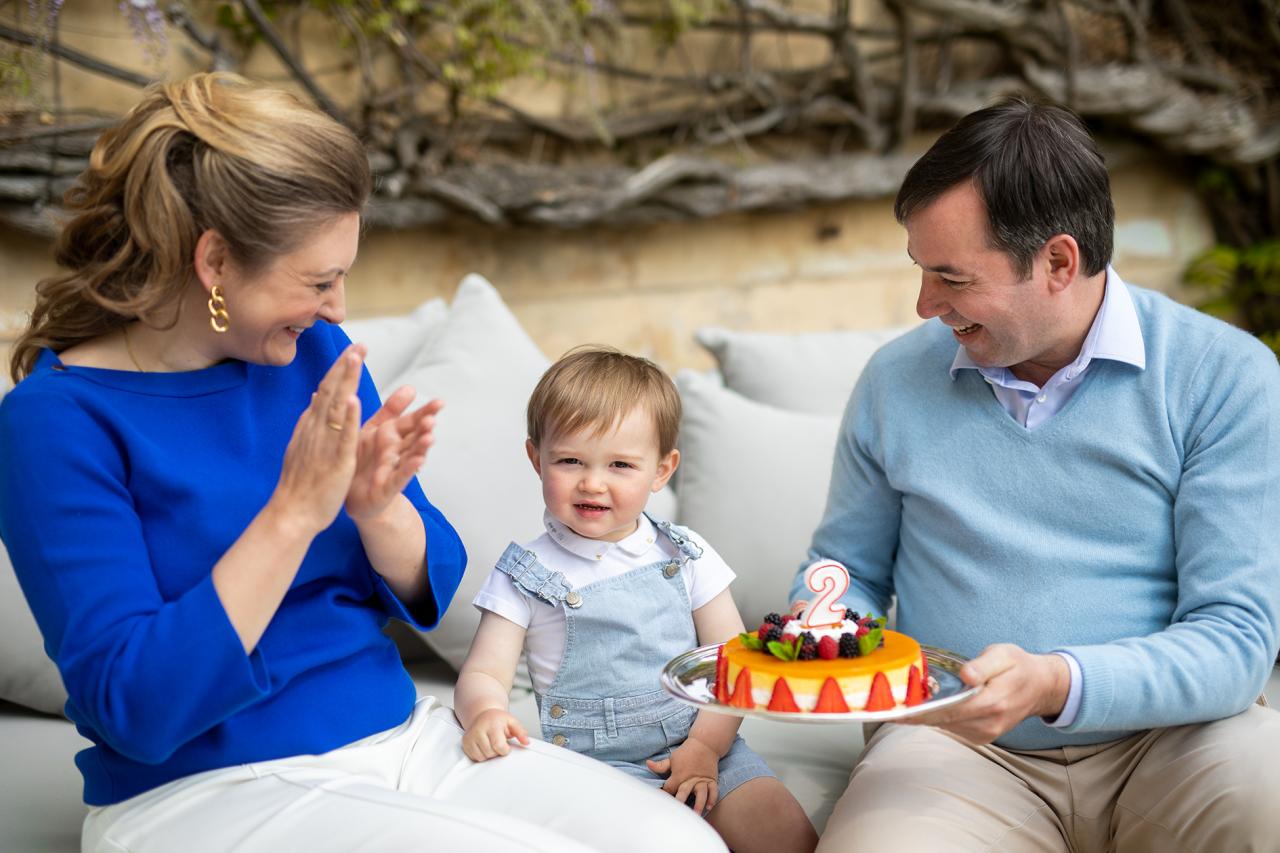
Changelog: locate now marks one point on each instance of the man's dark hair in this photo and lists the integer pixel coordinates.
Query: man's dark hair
(1037, 170)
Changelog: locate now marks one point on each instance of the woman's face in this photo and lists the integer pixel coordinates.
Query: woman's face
(271, 308)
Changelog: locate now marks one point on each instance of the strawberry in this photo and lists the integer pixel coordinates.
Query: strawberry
(782, 699)
(722, 677)
(881, 696)
(915, 688)
(828, 648)
(831, 700)
(742, 697)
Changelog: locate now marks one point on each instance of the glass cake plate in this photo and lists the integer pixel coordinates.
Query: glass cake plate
(689, 677)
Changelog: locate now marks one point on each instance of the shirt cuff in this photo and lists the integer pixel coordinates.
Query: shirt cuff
(1072, 706)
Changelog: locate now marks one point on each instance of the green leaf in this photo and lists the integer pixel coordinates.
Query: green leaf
(870, 641)
(785, 651)
(751, 641)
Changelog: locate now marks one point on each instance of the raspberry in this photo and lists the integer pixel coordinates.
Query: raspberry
(808, 651)
(828, 649)
(787, 617)
(848, 645)
(773, 619)
(769, 632)
(862, 630)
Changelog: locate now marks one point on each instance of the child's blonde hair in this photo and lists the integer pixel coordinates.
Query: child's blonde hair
(596, 386)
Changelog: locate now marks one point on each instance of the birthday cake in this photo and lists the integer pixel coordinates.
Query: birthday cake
(827, 660)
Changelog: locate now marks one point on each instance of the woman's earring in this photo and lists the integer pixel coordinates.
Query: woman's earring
(218, 317)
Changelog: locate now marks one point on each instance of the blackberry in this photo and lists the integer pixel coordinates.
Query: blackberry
(774, 632)
(808, 651)
(851, 615)
(808, 639)
(848, 645)
(773, 619)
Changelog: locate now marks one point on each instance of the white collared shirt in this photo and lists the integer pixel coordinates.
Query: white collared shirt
(583, 561)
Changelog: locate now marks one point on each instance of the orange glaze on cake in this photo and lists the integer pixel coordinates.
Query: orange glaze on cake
(874, 682)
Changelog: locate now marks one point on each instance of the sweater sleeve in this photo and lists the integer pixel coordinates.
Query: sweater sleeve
(860, 525)
(124, 650)
(1214, 658)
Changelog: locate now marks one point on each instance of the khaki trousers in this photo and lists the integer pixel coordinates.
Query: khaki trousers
(1211, 787)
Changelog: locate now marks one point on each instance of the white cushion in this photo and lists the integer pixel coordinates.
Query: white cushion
(27, 676)
(484, 366)
(393, 341)
(808, 372)
(753, 481)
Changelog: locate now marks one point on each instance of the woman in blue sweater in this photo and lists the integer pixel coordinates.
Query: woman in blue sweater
(212, 515)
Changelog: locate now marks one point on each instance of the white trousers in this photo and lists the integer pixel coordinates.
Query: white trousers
(407, 789)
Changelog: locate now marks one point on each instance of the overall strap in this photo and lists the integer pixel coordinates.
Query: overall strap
(532, 577)
(679, 536)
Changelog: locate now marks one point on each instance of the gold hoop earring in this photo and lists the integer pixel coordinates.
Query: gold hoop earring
(218, 317)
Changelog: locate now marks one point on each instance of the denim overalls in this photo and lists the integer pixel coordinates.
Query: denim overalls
(605, 700)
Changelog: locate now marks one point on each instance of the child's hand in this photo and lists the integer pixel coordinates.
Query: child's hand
(694, 769)
(489, 734)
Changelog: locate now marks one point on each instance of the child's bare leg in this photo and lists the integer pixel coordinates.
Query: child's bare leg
(763, 815)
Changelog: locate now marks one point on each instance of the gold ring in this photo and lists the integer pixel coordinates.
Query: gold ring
(335, 426)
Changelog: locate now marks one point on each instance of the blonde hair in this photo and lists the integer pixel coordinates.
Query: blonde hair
(596, 386)
(212, 151)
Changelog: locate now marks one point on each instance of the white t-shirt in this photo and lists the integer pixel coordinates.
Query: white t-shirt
(583, 561)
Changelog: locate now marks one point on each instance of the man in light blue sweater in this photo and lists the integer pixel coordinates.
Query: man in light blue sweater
(1076, 483)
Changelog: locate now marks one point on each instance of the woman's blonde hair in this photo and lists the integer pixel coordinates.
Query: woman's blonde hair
(594, 386)
(212, 151)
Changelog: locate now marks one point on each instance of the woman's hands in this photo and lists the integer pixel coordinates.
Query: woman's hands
(320, 460)
(332, 461)
(694, 769)
(392, 447)
(490, 733)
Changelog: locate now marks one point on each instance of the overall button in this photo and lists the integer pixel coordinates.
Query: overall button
(671, 570)
(573, 599)
(557, 711)
(559, 740)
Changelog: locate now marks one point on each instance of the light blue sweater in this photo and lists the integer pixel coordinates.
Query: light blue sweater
(1138, 529)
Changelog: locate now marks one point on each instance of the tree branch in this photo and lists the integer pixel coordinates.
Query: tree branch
(75, 57)
(260, 20)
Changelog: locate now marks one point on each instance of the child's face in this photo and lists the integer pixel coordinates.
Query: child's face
(598, 485)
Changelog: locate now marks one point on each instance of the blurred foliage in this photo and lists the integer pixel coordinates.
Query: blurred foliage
(1239, 277)
(475, 45)
(1242, 285)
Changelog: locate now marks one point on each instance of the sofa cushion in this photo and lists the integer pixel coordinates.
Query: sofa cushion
(484, 366)
(752, 481)
(27, 676)
(810, 372)
(393, 341)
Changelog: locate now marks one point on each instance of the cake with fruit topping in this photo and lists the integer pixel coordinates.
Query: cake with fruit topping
(853, 665)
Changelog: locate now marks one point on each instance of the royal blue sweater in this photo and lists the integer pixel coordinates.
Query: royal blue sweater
(1138, 529)
(118, 493)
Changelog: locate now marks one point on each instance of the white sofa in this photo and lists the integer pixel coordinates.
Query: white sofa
(783, 393)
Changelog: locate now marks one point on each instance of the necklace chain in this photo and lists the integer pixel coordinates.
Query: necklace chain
(128, 347)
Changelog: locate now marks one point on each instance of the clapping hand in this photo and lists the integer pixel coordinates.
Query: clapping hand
(392, 447)
(321, 457)
(694, 769)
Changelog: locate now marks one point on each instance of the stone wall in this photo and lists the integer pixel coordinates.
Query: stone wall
(840, 266)
(643, 289)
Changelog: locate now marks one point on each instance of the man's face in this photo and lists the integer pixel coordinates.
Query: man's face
(1000, 319)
